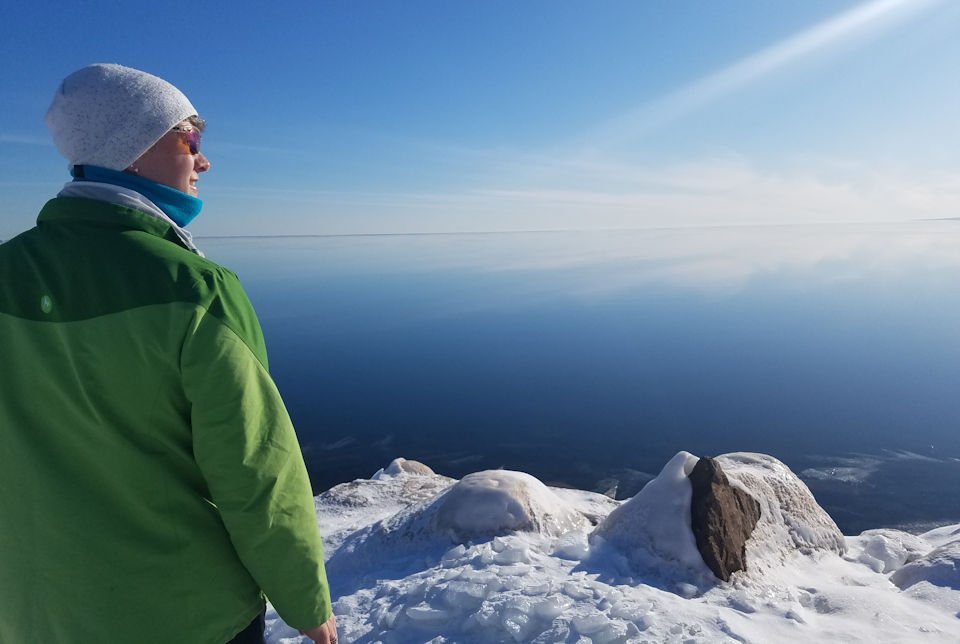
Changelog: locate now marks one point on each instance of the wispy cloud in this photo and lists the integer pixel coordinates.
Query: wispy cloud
(585, 183)
(868, 19)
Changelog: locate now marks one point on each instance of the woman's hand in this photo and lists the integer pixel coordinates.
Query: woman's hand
(326, 633)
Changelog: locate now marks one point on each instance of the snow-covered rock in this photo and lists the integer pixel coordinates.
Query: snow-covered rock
(402, 466)
(497, 502)
(791, 521)
(653, 528)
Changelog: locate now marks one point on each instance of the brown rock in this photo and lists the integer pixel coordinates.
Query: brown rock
(723, 517)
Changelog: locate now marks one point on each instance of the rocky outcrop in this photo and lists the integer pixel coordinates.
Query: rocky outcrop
(654, 530)
(722, 519)
(791, 522)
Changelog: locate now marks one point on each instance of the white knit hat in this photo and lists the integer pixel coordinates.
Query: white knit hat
(109, 115)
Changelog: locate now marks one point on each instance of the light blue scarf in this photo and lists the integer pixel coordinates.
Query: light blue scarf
(177, 205)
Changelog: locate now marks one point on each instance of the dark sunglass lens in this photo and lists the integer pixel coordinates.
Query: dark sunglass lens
(193, 140)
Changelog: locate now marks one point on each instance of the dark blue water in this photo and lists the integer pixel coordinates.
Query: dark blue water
(590, 358)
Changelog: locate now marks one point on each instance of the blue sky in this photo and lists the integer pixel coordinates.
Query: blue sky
(382, 117)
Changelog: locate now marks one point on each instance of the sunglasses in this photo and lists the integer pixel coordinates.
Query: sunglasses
(189, 138)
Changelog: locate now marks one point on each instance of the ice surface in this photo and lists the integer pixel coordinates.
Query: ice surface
(398, 579)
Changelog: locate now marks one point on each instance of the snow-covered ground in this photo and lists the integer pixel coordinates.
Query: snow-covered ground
(499, 557)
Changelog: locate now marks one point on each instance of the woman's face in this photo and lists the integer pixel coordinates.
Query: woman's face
(171, 162)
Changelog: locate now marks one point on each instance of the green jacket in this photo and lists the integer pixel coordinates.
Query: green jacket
(151, 484)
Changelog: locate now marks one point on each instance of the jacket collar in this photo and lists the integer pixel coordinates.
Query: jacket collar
(106, 215)
(103, 214)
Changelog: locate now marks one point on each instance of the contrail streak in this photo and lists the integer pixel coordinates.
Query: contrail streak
(874, 17)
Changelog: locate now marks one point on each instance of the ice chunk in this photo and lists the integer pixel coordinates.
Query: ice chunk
(464, 595)
(537, 587)
(385, 616)
(518, 618)
(552, 607)
(491, 581)
(513, 554)
(577, 591)
(630, 610)
(454, 555)
(590, 622)
(514, 570)
(572, 545)
(612, 633)
(427, 616)
(516, 623)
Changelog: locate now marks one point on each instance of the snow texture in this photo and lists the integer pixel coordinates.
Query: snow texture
(499, 557)
(653, 528)
(940, 567)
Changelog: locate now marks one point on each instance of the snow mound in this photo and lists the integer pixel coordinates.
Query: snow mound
(942, 536)
(653, 528)
(369, 501)
(400, 466)
(479, 507)
(498, 502)
(940, 567)
(791, 521)
(885, 550)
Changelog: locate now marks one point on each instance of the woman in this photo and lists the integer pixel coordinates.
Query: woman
(152, 487)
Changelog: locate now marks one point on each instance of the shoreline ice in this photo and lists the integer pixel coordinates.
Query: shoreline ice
(414, 556)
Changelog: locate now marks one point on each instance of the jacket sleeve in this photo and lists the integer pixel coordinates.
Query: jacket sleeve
(246, 448)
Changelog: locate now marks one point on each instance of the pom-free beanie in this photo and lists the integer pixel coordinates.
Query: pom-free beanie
(108, 115)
